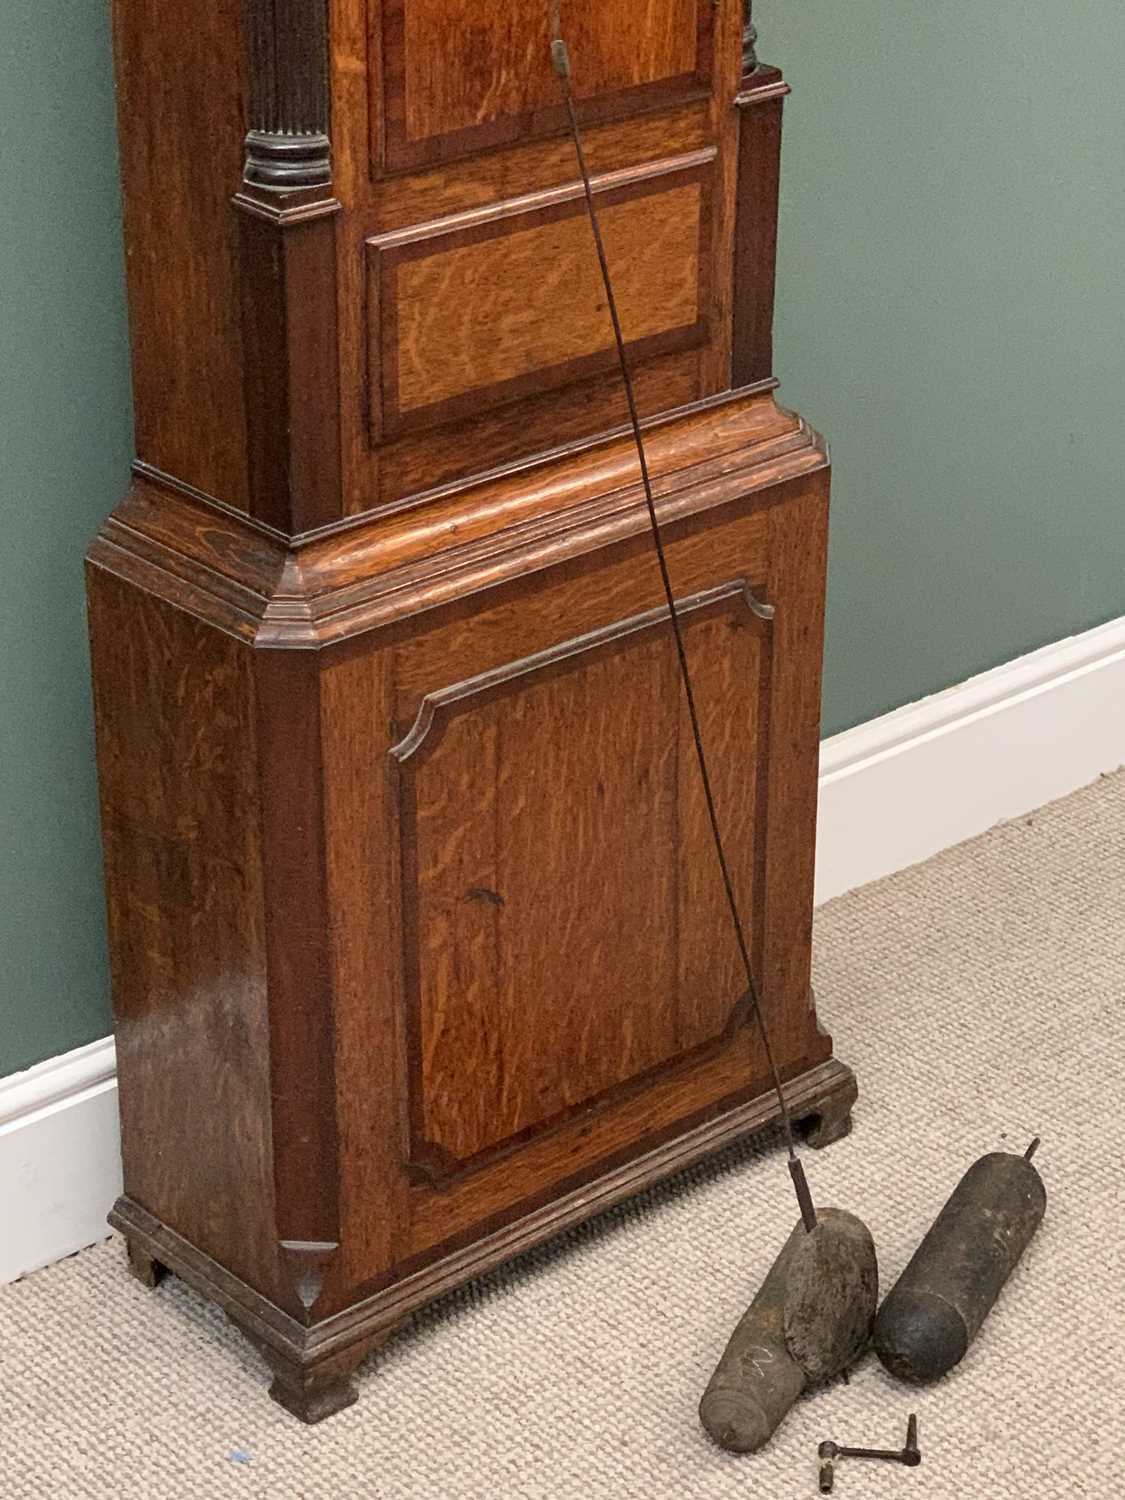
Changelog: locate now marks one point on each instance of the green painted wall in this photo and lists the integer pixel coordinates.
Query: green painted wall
(951, 313)
(951, 309)
(65, 438)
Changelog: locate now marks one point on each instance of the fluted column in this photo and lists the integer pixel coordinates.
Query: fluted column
(287, 145)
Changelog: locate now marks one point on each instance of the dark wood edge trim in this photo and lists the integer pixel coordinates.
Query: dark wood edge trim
(397, 421)
(538, 461)
(383, 388)
(404, 854)
(713, 481)
(568, 192)
(548, 540)
(517, 130)
(297, 620)
(249, 1308)
(776, 89)
(284, 216)
(119, 539)
(437, 707)
(805, 1095)
(434, 1166)
(152, 475)
(362, 519)
(121, 532)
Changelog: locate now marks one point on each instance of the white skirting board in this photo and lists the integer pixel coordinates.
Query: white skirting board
(892, 792)
(898, 789)
(60, 1159)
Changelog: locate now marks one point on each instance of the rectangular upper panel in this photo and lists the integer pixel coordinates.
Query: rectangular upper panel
(458, 76)
(483, 309)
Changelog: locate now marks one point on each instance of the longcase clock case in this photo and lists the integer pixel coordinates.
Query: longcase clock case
(419, 946)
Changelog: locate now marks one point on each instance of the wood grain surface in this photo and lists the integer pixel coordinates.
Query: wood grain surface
(251, 389)
(184, 888)
(320, 1357)
(515, 905)
(419, 949)
(755, 248)
(181, 119)
(292, 772)
(374, 570)
(457, 77)
(586, 1017)
(368, 987)
(479, 313)
(486, 165)
(291, 360)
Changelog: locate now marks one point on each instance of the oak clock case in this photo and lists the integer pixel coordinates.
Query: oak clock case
(419, 947)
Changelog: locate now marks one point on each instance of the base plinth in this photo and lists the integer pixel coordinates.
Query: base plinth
(313, 1365)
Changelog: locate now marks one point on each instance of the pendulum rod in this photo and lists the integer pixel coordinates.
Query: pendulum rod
(561, 60)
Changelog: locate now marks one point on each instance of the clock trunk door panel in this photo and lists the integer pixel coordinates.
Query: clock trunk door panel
(562, 911)
(570, 983)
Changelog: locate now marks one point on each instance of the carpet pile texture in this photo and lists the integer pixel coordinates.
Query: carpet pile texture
(980, 998)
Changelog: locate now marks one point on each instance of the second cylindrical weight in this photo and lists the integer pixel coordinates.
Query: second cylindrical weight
(937, 1305)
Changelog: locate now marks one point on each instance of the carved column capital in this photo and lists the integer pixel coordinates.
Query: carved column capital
(287, 145)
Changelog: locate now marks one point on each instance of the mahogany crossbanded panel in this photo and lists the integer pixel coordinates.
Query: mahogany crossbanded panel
(479, 310)
(453, 77)
(547, 933)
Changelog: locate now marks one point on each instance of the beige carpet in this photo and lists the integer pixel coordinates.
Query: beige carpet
(981, 998)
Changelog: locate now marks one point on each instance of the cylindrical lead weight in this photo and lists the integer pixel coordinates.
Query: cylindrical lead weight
(937, 1305)
(811, 1318)
(757, 1380)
